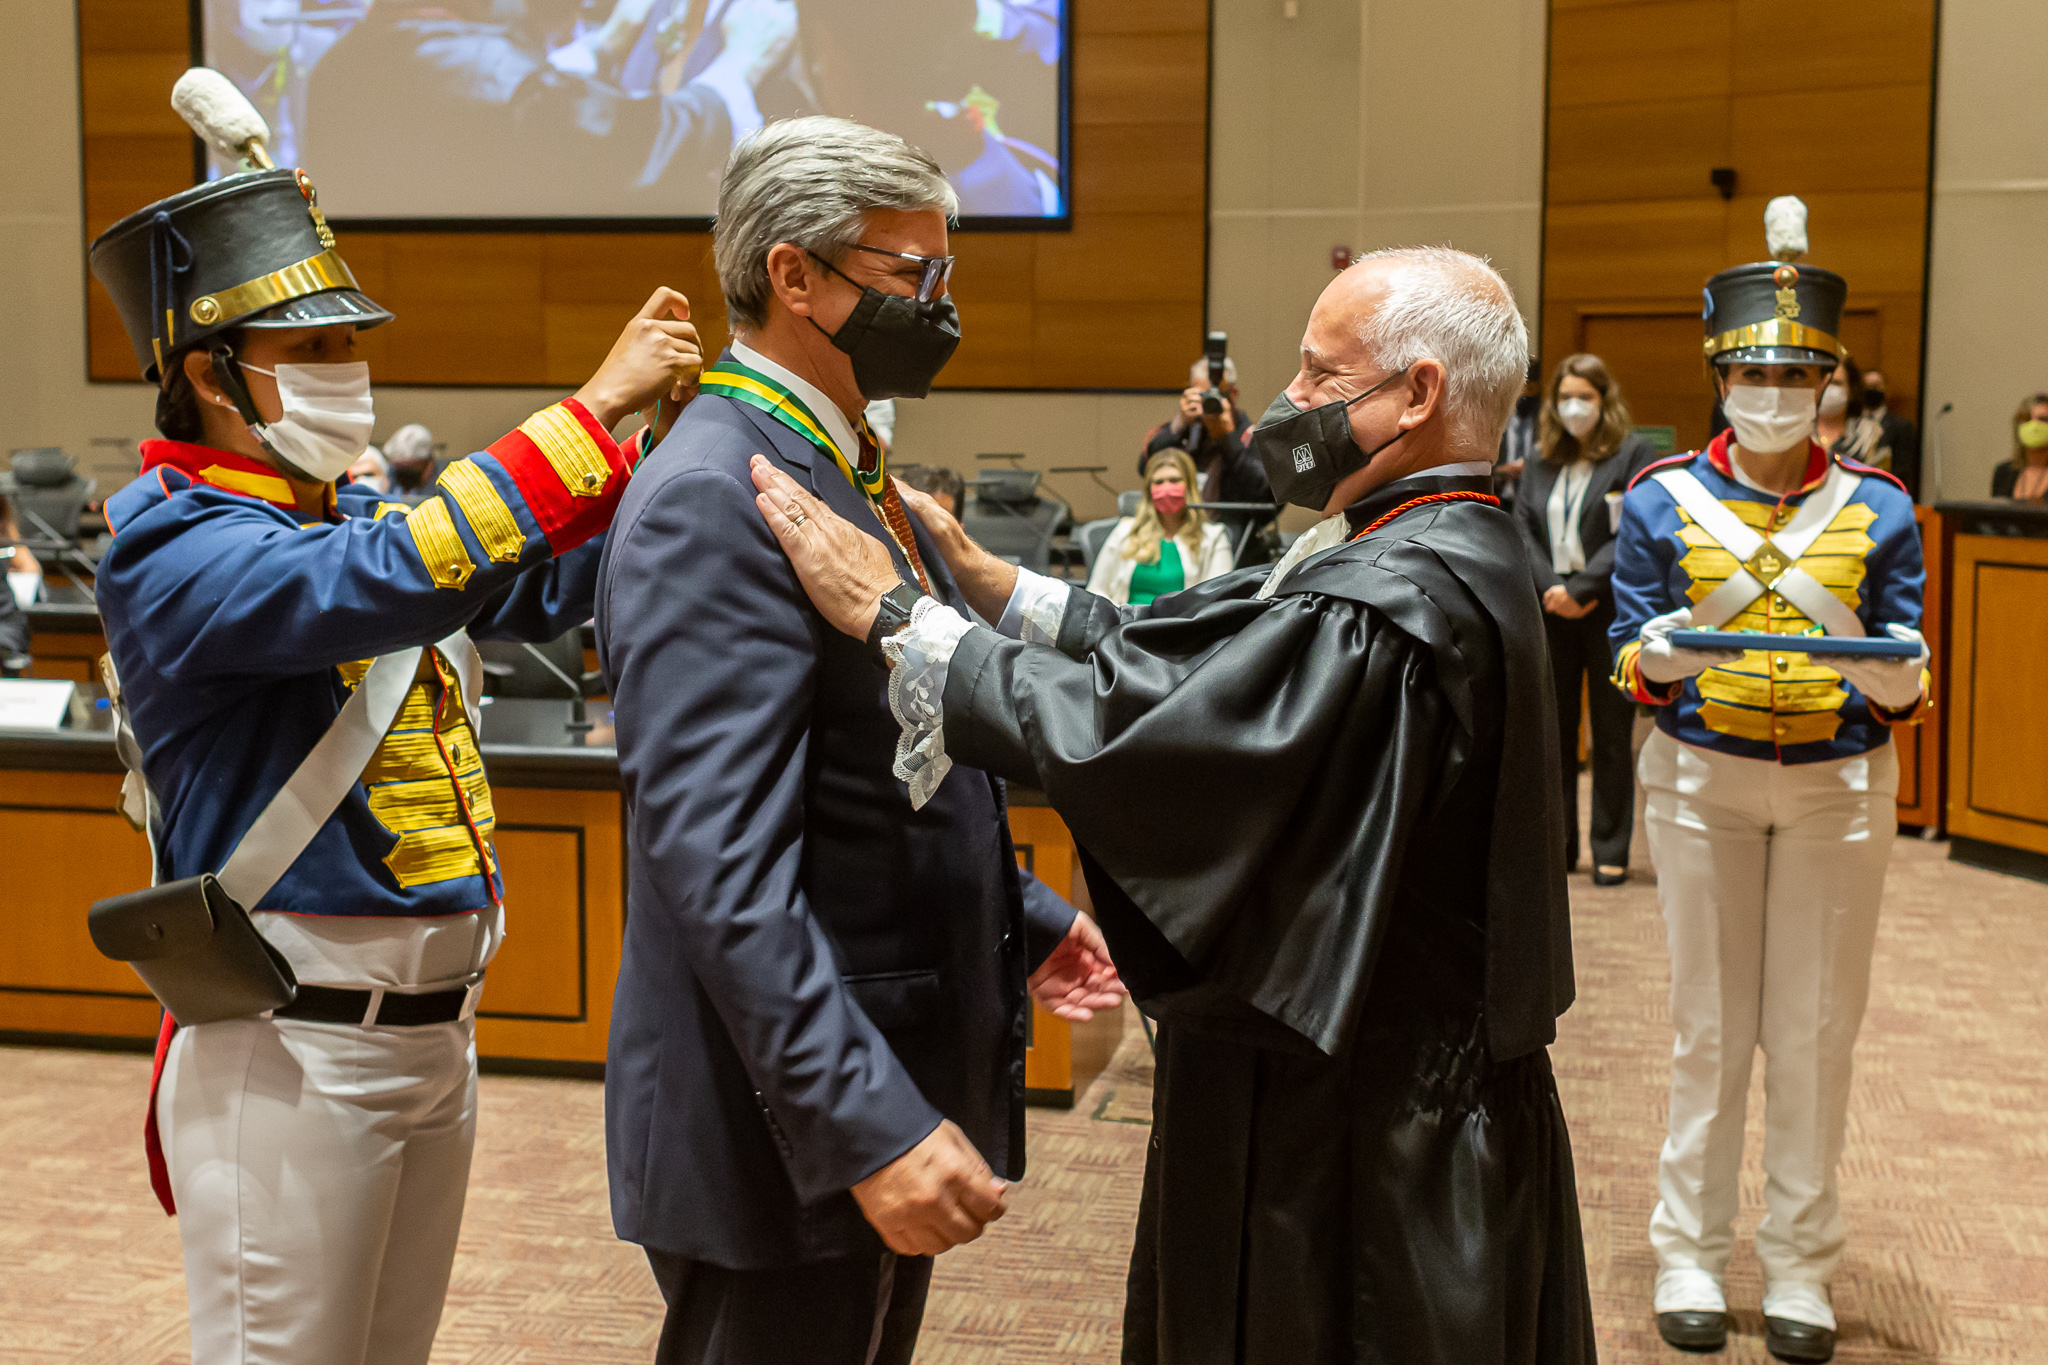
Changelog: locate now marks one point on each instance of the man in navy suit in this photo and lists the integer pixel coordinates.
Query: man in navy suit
(816, 1069)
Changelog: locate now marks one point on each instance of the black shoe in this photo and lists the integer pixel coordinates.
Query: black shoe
(1800, 1341)
(1692, 1330)
(1609, 876)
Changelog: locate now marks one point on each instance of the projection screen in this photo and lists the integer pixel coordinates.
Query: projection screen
(560, 113)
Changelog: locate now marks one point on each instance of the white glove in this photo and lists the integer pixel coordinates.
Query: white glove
(1660, 662)
(1893, 684)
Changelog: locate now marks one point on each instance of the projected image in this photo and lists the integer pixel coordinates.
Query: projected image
(538, 109)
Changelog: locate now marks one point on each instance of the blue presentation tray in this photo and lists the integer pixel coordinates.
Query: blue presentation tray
(1850, 646)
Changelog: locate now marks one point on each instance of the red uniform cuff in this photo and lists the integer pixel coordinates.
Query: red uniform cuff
(1909, 715)
(1628, 676)
(568, 469)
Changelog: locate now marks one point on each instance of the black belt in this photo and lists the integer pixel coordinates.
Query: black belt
(331, 1005)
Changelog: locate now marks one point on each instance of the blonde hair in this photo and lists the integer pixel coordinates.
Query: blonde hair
(1147, 530)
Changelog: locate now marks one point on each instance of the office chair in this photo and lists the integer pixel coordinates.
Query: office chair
(1009, 515)
(511, 670)
(48, 492)
(1092, 536)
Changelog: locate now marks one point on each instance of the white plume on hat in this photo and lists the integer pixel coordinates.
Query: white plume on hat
(221, 115)
(1785, 227)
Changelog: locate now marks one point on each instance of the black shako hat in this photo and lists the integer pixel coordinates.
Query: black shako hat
(1774, 313)
(247, 250)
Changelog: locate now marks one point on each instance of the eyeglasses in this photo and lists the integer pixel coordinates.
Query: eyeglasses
(937, 270)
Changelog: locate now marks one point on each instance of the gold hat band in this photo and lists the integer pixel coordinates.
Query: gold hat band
(295, 281)
(1774, 332)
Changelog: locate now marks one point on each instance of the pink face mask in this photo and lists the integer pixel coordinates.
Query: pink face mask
(1170, 498)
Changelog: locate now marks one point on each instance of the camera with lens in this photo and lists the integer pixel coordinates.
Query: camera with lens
(1215, 350)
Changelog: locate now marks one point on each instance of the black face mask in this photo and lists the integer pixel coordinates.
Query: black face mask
(1307, 452)
(898, 345)
(1873, 399)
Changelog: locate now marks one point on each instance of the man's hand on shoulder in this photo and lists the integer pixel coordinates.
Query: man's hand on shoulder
(657, 357)
(844, 570)
(937, 1195)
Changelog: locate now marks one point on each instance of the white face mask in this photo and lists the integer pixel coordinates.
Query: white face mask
(1834, 400)
(1579, 415)
(327, 418)
(1768, 420)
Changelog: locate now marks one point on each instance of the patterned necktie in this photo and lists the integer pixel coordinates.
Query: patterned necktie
(894, 514)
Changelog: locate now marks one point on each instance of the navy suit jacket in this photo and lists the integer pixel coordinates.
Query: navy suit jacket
(814, 973)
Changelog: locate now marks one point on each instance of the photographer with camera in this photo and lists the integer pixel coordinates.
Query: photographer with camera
(1215, 433)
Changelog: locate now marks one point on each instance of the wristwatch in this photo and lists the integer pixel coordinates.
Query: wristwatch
(893, 613)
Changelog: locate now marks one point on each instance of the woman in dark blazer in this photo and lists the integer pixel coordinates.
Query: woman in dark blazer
(1570, 510)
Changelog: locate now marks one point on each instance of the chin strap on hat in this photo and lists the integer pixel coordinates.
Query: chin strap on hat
(227, 372)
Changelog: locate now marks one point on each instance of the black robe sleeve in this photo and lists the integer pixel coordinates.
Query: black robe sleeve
(1246, 774)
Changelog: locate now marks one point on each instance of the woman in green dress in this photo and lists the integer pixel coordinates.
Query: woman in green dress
(1168, 545)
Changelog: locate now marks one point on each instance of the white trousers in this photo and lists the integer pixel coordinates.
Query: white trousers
(1770, 877)
(319, 1172)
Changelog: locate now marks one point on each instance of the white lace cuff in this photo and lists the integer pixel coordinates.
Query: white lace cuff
(1035, 610)
(918, 656)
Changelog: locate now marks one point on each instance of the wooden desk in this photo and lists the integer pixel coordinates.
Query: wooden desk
(65, 639)
(1998, 667)
(1060, 1059)
(560, 837)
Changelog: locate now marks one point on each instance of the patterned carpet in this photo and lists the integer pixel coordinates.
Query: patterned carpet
(1945, 1183)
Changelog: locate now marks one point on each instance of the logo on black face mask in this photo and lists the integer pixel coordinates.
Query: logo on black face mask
(1304, 459)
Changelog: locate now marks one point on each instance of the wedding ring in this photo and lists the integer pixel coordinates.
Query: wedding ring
(801, 518)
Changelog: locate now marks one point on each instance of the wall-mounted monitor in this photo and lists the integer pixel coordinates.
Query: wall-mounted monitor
(619, 114)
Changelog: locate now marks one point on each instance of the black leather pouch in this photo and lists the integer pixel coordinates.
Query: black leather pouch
(195, 949)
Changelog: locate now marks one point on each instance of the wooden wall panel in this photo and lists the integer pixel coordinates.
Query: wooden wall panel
(1115, 303)
(1648, 96)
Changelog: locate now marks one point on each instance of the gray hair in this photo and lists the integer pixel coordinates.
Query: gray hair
(1452, 307)
(811, 181)
(1199, 371)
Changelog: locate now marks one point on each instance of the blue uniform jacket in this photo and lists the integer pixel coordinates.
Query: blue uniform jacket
(237, 632)
(1778, 705)
(814, 973)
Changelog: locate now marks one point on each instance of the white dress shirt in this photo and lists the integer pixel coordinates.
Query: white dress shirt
(835, 422)
(1561, 513)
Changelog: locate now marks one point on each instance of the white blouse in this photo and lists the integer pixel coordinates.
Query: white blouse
(1199, 563)
(1567, 498)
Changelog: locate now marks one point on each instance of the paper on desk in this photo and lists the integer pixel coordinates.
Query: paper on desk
(34, 703)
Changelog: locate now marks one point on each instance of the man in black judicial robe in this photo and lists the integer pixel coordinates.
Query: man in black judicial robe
(1351, 920)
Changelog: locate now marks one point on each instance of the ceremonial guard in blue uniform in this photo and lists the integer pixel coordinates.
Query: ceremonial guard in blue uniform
(317, 1155)
(1771, 782)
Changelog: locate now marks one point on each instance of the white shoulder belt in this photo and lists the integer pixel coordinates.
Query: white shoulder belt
(313, 792)
(1768, 563)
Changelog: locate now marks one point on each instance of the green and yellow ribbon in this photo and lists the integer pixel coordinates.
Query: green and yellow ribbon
(744, 384)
